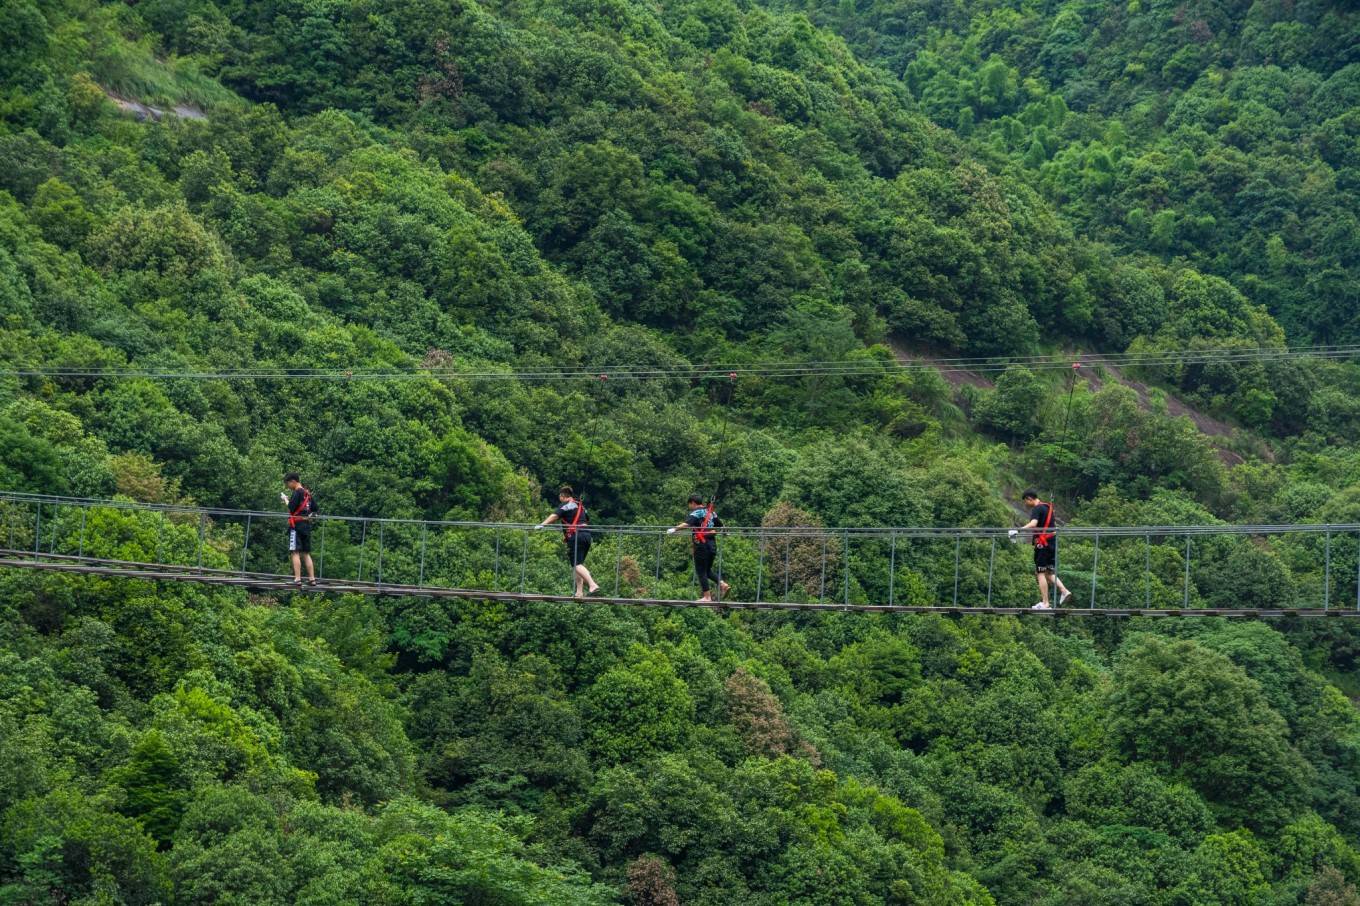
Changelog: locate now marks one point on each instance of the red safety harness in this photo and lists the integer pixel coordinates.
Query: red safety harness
(1041, 539)
(704, 530)
(569, 528)
(296, 516)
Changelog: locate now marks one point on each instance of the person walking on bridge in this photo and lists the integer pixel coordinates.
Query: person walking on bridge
(703, 520)
(576, 533)
(1045, 548)
(301, 509)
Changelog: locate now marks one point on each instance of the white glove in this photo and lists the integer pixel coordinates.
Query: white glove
(539, 526)
(284, 497)
(1013, 533)
(670, 531)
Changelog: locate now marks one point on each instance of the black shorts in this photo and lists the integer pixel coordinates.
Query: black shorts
(577, 548)
(299, 542)
(1045, 558)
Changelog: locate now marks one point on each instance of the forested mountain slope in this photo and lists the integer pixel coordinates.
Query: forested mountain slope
(1222, 134)
(455, 187)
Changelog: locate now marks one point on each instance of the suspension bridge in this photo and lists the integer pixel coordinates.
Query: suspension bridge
(1112, 571)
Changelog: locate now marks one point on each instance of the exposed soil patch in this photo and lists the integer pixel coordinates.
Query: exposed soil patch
(147, 112)
(1096, 371)
(956, 377)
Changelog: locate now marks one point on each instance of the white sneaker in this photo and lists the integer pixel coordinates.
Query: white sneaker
(1063, 599)
(1041, 606)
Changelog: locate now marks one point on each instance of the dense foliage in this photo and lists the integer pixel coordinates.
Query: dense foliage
(448, 187)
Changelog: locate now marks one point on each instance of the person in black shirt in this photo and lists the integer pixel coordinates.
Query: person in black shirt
(1045, 548)
(576, 533)
(301, 509)
(702, 519)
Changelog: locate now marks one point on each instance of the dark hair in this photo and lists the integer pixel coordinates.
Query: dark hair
(291, 476)
(1030, 494)
(565, 491)
(695, 498)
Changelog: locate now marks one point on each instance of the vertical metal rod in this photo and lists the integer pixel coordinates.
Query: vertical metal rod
(821, 593)
(37, 531)
(958, 546)
(991, 570)
(659, 540)
(363, 545)
(321, 552)
(618, 560)
(1147, 569)
(845, 564)
(760, 564)
(245, 544)
(380, 550)
(56, 516)
(523, 560)
(1327, 574)
(1095, 569)
(424, 542)
(496, 570)
(84, 511)
(720, 569)
(787, 545)
(1186, 599)
(160, 527)
(202, 531)
(892, 566)
(1357, 573)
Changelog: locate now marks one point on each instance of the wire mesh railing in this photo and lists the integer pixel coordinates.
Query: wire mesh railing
(1117, 568)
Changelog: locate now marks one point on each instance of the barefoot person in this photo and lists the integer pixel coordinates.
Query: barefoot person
(1045, 548)
(301, 509)
(702, 519)
(576, 533)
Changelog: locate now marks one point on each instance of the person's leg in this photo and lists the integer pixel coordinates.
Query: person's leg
(1043, 587)
(311, 568)
(296, 559)
(702, 564)
(583, 575)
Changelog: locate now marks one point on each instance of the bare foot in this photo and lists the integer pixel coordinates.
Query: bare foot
(594, 588)
(724, 588)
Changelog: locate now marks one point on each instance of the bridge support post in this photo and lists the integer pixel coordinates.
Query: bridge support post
(821, 593)
(991, 570)
(1147, 569)
(845, 563)
(1095, 569)
(523, 560)
(1327, 573)
(958, 549)
(1186, 598)
(202, 531)
(760, 563)
(245, 544)
(892, 567)
(424, 540)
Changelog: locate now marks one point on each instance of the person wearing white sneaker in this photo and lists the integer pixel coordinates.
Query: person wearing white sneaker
(1045, 549)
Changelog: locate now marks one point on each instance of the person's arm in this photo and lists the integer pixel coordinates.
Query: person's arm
(1015, 533)
(552, 517)
(675, 528)
(1033, 523)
